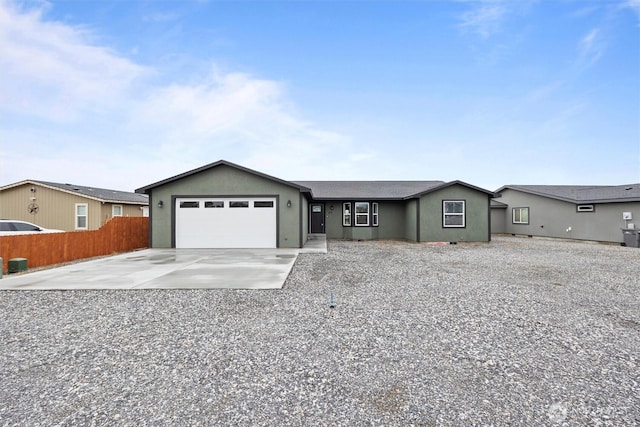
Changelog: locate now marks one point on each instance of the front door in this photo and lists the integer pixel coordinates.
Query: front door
(317, 218)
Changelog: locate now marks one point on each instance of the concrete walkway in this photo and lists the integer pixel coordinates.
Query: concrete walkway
(171, 269)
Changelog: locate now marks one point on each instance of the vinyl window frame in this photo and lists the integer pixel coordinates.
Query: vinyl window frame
(586, 208)
(520, 210)
(116, 207)
(360, 215)
(81, 220)
(447, 215)
(374, 214)
(346, 214)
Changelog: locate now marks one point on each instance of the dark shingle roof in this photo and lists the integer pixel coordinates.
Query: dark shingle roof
(147, 189)
(380, 190)
(102, 194)
(582, 193)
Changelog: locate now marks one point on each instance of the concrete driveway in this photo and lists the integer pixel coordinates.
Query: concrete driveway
(166, 269)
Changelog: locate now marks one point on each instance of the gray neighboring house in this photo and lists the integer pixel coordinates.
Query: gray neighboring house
(224, 205)
(567, 211)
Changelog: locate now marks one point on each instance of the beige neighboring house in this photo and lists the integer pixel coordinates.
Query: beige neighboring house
(68, 207)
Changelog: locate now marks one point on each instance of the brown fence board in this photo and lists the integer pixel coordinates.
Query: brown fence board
(120, 234)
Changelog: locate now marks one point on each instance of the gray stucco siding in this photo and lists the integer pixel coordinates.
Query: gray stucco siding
(498, 220)
(552, 218)
(225, 181)
(477, 217)
(411, 220)
(391, 222)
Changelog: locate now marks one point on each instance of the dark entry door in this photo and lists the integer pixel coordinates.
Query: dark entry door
(317, 218)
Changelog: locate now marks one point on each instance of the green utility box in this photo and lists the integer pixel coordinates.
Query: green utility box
(17, 265)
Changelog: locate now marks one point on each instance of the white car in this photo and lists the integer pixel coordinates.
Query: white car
(10, 227)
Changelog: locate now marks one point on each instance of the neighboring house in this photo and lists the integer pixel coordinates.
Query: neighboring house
(67, 207)
(223, 205)
(567, 211)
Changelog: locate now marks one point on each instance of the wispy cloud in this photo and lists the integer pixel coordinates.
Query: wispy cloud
(161, 17)
(485, 19)
(634, 5)
(82, 112)
(591, 48)
(53, 71)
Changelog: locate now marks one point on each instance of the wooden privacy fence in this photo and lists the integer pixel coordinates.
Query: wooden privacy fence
(119, 234)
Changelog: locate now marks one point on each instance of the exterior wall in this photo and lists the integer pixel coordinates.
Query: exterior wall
(56, 208)
(411, 220)
(391, 220)
(224, 181)
(498, 221)
(476, 216)
(552, 218)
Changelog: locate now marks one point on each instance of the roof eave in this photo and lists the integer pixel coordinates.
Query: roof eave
(74, 193)
(567, 199)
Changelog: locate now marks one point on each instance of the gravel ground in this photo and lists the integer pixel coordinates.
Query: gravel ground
(516, 332)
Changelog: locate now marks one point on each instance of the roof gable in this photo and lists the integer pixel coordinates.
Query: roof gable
(456, 182)
(379, 190)
(94, 193)
(148, 188)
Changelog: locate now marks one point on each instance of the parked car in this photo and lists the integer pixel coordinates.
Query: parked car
(9, 227)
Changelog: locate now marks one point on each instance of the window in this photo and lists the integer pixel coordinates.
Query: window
(188, 205)
(216, 204)
(346, 214)
(265, 204)
(374, 214)
(23, 226)
(116, 210)
(520, 215)
(242, 204)
(362, 214)
(81, 216)
(585, 208)
(453, 213)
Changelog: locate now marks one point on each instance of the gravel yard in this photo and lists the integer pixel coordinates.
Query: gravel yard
(515, 332)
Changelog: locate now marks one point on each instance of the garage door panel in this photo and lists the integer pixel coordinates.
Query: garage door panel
(226, 227)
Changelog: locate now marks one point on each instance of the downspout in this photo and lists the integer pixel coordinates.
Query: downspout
(300, 221)
(489, 227)
(418, 219)
(150, 220)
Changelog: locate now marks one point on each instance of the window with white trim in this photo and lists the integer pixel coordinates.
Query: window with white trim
(374, 214)
(82, 210)
(585, 208)
(453, 214)
(362, 214)
(116, 210)
(346, 214)
(520, 215)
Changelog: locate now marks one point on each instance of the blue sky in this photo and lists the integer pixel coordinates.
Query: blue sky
(121, 94)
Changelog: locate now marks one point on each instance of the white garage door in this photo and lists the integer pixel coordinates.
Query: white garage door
(226, 222)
